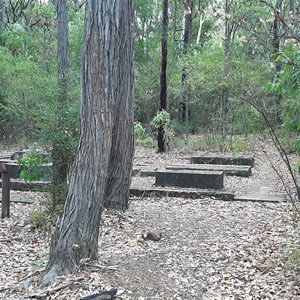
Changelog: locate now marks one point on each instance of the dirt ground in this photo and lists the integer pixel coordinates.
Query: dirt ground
(209, 249)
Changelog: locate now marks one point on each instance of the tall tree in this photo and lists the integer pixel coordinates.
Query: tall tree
(226, 46)
(187, 39)
(2, 16)
(102, 169)
(60, 161)
(161, 142)
(277, 38)
(61, 156)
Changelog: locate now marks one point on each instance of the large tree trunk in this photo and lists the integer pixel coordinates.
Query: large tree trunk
(60, 155)
(102, 170)
(161, 142)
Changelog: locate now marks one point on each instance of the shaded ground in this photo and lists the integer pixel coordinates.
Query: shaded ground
(209, 249)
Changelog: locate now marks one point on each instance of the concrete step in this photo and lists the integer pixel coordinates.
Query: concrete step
(230, 170)
(260, 198)
(190, 179)
(182, 193)
(247, 160)
(262, 194)
(161, 192)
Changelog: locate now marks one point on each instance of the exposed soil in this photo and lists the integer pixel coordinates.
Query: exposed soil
(209, 249)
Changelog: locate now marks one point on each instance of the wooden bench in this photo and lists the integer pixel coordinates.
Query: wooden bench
(5, 175)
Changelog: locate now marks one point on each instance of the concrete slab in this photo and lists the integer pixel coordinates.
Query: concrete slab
(247, 160)
(230, 170)
(262, 194)
(190, 179)
(182, 193)
(257, 198)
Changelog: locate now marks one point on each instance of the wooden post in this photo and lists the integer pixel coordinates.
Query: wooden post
(4, 170)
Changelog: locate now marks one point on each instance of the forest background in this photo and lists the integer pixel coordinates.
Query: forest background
(231, 65)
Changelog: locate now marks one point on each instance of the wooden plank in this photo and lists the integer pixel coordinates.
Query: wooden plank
(5, 194)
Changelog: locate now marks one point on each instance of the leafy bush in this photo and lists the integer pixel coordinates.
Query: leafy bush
(141, 138)
(162, 118)
(31, 165)
(40, 220)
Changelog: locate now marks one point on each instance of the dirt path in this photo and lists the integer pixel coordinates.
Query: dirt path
(209, 248)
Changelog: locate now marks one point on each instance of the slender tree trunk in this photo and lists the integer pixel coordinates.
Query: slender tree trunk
(161, 143)
(60, 155)
(276, 49)
(201, 22)
(60, 161)
(174, 27)
(187, 39)
(2, 18)
(102, 170)
(226, 47)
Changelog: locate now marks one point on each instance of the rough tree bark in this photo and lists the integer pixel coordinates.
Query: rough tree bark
(102, 170)
(60, 162)
(161, 143)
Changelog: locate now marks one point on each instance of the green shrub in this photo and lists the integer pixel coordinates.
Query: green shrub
(31, 164)
(40, 220)
(139, 130)
(141, 138)
(162, 118)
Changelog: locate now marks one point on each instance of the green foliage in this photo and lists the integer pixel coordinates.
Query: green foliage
(139, 130)
(287, 140)
(40, 220)
(287, 83)
(214, 142)
(141, 138)
(293, 261)
(32, 166)
(163, 118)
(147, 89)
(61, 127)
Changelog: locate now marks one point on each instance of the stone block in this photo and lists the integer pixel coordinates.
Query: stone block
(190, 179)
(247, 160)
(230, 170)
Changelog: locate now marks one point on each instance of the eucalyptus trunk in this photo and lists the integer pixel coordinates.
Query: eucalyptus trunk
(161, 140)
(276, 49)
(102, 170)
(187, 39)
(226, 47)
(60, 155)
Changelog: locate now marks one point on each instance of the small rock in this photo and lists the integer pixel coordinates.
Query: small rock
(152, 236)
